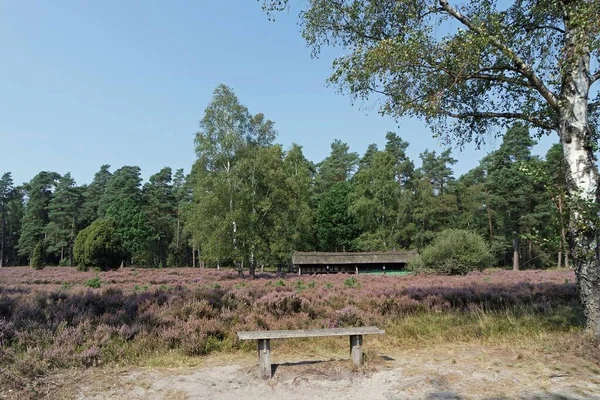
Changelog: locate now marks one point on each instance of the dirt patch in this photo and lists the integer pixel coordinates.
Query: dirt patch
(445, 372)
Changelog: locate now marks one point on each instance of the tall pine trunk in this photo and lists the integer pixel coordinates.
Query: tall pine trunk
(582, 177)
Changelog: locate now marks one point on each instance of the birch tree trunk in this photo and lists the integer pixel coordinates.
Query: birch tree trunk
(559, 260)
(582, 181)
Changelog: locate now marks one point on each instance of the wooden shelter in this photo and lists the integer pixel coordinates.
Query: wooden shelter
(354, 263)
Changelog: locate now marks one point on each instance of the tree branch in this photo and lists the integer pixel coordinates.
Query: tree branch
(522, 67)
(347, 27)
(507, 115)
(529, 28)
(593, 106)
(500, 78)
(595, 77)
(556, 28)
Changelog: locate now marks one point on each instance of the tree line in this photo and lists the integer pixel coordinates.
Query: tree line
(249, 202)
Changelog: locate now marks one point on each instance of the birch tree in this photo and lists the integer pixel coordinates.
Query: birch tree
(469, 68)
(224, 181)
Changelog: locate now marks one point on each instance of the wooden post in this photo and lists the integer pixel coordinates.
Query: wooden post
(264, 358)
(356, 342)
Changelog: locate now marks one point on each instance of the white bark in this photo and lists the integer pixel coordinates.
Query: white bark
(516, 253)
(582, 181)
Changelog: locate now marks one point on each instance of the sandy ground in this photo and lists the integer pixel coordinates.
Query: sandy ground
(453, 372)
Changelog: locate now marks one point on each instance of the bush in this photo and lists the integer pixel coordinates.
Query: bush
(99, 245)
(352, 282)
(94, 283)
(456, 252)
(79, 249)
(64, 262)
(39, 256)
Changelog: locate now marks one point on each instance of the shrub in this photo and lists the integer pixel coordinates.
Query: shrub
(456, 252)
(352, 282)
(280, 283)
(39, 255)
(79, 249)
(300, 285)
(416, 264)
(64, 262)
(99, 245)
(94, 282)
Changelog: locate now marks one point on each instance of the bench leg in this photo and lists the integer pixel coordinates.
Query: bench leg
(356, 342)
(264, 358)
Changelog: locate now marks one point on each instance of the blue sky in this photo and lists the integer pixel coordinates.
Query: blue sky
(126, 82)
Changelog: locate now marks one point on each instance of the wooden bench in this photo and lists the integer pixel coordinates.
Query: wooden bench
(264, 342)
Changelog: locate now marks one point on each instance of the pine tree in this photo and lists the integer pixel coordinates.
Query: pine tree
(336, 227)
(181, 244)
(122, 203)
(511, 189)
(338, 166)
(434, 206)
(64, 218)
(93, 206)
(438, 170)
(160, 207)
(39, 193)
(14, 210)
(6, 188)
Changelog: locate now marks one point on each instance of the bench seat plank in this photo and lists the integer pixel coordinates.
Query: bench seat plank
(257, 335)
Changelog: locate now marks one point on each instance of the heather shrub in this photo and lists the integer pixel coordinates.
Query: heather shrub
(44, 326)
(456, 252)
(349, 316)
(7, 332)
(201, 336)
(195, 309)
(38, 258)
(282, 303)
